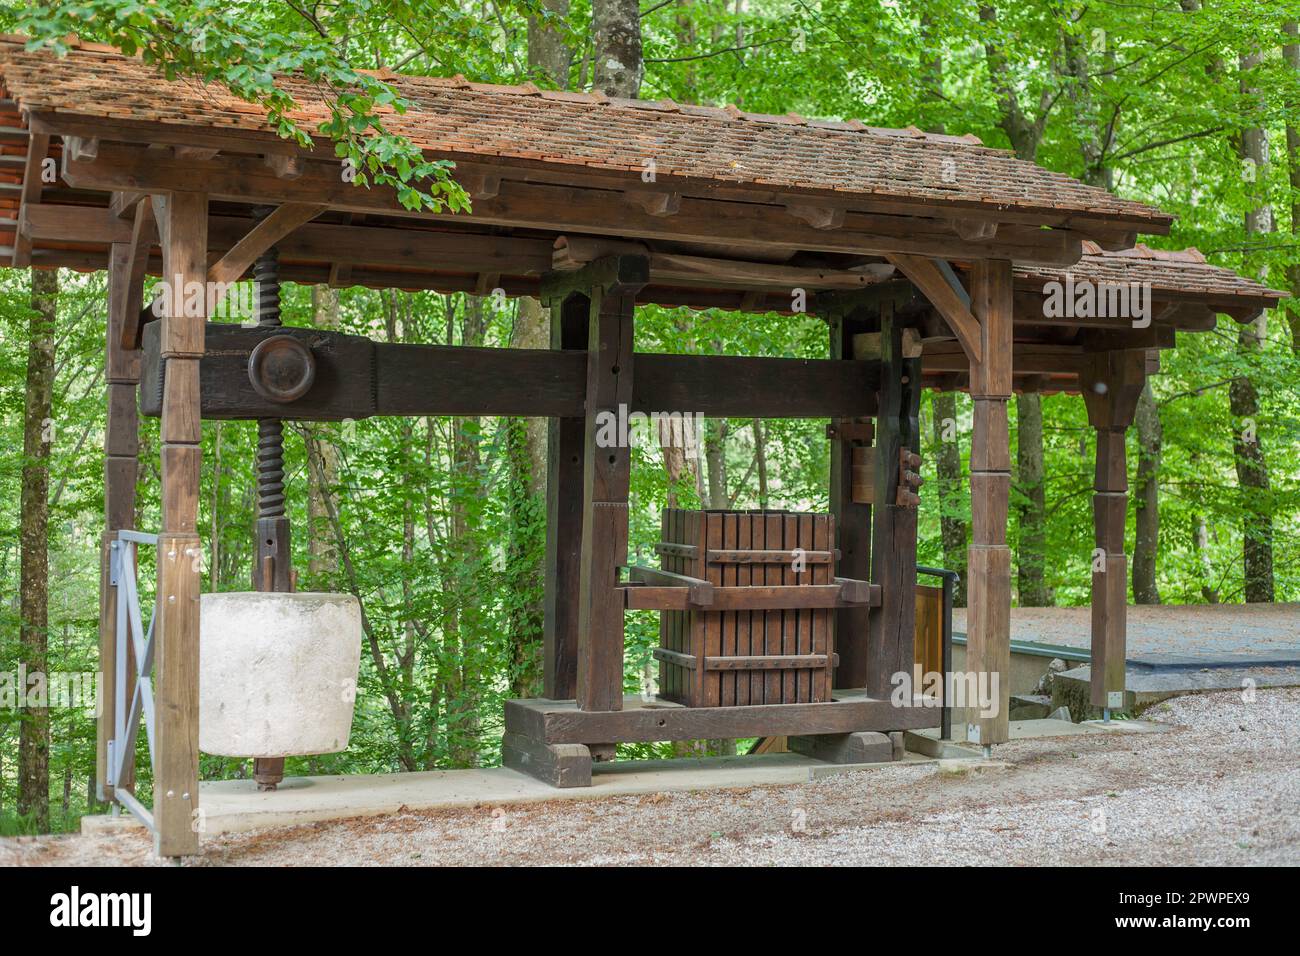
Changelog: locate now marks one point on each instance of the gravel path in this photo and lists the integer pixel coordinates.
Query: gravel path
(1209, 630)
(1222, 786)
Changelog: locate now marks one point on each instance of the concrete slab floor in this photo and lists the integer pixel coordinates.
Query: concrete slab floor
(232, 806)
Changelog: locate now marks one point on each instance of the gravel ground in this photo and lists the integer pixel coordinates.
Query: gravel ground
(1222, 786)
(1205, 630)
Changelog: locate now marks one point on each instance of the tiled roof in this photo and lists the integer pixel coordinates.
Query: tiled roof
(1185, 273)
(523, 123)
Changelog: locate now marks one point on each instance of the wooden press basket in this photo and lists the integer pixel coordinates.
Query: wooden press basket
(756, 627)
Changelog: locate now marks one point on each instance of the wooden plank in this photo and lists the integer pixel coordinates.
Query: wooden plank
(699, 590)
(563, 722)
(768, 556)
(822, 620)
(730, 530)
(176, 694)
(710, 694)
(760, 662)
(788, 590)
(773, 534)
(565, 457)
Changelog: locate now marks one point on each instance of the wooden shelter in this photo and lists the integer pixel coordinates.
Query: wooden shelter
(927, 255)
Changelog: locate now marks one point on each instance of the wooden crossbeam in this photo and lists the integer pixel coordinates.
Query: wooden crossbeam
(261, 237)
(940, 286)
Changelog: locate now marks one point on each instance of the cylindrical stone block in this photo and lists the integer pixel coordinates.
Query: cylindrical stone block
(277, 672)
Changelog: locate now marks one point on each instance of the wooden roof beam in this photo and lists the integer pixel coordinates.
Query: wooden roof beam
(567, 209)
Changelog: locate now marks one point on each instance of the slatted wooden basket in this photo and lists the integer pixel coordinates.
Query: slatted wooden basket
(757, 624)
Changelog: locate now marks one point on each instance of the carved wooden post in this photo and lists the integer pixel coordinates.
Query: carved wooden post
(121, 447)
(893, 538)
(988, 624)
(183, 219)
(852, 524)
(565, 457)
(1111, 383)
(606, 476)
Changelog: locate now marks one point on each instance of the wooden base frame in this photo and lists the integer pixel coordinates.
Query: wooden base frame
(540, 734)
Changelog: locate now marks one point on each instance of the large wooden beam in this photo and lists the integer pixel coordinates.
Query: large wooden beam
(1111, 384)
(893, 538)
(121, 448)
(988, 624)
(356, 378)
(176, 783)
(606, 477)
(565, 465)
(852, 521)
(567, 209)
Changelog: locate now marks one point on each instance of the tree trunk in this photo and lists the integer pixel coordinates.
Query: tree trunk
(526, 552)
(715, 453)
(1025, 133)
(760, 460)
(549, 56)
(616, 32)
(952, 521)
(1252, 467)
(322, 471)
(1204, 567)
(38, 437)
(1146, 491)
(1291, 53)
(1031, 583)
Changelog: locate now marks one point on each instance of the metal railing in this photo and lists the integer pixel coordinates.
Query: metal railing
(133, 642)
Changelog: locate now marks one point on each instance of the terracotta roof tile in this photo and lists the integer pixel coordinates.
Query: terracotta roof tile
(1184, 271)
(516, 121)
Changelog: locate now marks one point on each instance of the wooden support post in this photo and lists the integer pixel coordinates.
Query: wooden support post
(184, 224)
(893, 537)
(988, 625)
(121, 447)
(565, 457)
(606, 477)
(1111, 383)
(852, 532)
